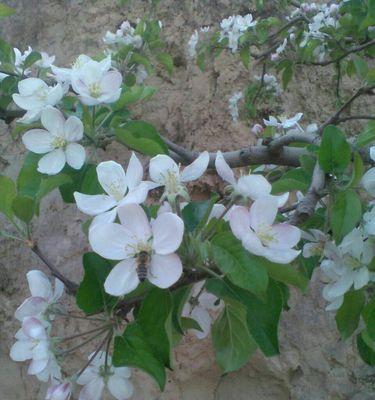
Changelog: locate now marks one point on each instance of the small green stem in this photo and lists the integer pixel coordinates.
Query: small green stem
(214, 225)
(99, 328)
(61, 314)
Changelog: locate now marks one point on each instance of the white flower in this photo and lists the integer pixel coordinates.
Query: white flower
(368, 181)
(42, 295)
(316, 247)
(253, 186)
(372, 153)
(125, 36)
(120, 188)
(58, 140)
(33, 343)
(64, 75)
(46, 61)
(284, 123)
(311, 129)
(59, 391)
(192, 44)
(258, 234)
(233, 105)
(95, 84)
(165, 172)
(34, 96)
(234, 27)
(19, 59)
(270, 83)
(198, 308)
(95, 378)
(369, 222)
(140, 75)
(136, 236)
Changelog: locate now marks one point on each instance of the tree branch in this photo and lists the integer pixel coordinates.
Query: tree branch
(277, 144)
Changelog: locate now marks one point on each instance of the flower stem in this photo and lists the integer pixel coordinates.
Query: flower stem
(211, 231)
(107, 351)
(61, 314)
(99, 328)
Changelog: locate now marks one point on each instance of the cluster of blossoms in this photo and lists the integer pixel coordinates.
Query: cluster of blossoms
(125, 35)
(233, 105)
(270, 83)
(284, 125)
(193, 41)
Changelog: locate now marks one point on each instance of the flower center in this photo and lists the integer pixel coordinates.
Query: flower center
(140, 247)
(41, 94)
(115, 190)
(172, 182)
(265, 234)
(352, 262)
(58, 142)
(95, 90)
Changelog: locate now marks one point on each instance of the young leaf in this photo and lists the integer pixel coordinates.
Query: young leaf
(287, 74)
(28, 181)
(347, 317)
(179, 296)
(366, 348)
(23, 208)
(367, 136)
(193, 214)
(167, 61)
(368, 314)
(6, 11)
(7, 195)
(231, 339)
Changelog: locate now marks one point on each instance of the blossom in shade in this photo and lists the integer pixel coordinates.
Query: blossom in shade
(46, 61)
(96, 377)
(317, 240)
(284, 123)
(120, 188)
(368, 181)
(135, 235)
(57, 141)
(59, 391)
(192, 44)
(369, 221)
(34, 96)
(165, 172)
(233, 105)
(42, 295)
(260, 236)
(252, 186)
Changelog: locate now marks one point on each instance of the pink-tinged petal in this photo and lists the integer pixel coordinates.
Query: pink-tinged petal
(137, 195)
(285, 236)
(112, 241)
(253, 186)
(92, 390)
(122, 279)
(38, 141)
(28, 86)
(41, 350)
(133, 218)
(105, 64)
(223, 169)
(263, 212)
(75, 155)
(39, 284)
(252, 244)
(37, 366)
(120, 388)
(31, 307)
(204, 320)
(167, 232)
(33, 328)
(165, 270)
(55, 94)
(111, 82)
(22, 350)
(52, 163)
(60, 391)
(53, 120)
(112, 178)
(239, 221)
(196, 169)
(94, 204)
(110, 97)
(160, 166)
(104, 218)
(280, 256)
(73, 129)
(134, 172)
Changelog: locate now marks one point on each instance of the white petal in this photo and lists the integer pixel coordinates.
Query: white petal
(73, 129)
(368, 181)
(372, 153)
(168, 231)
(33, 328)
(111, 82)
(55, 94)
(196, 169)
(137, 195)
(104, 218)
(28, 86)
(223, 169)
(92, 390)
(31, 307)
(112, 241)
(335, 304)
(133, 218)
(123, 372)
(217, 211)
(39, 284)
(253, 186)
(285, 236)
(89, 374)
(239, 221)
(340, 287)
(52, 163)
(94, 204)
(120, 388)
(122, 279)
(134, 172)
(53, 120)
(361, 278)
(160, 166)
(263, 212)
(75, 155)
(28, 103)
(112, 178)
(284, 256)
(21, 350)
(37, 366)
(38, 141)
(165, 270)
(31, 116)
(282, 199)
(59, 290)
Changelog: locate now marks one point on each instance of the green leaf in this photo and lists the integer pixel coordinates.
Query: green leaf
(190, 323)
(179, 296)
(231, 339)
(245, 57)
(347, 317)
(367, 136)
(6, 11)
(361, 67)
(357, 172)
(132, 95)
(295, 179)
(366, 351)
(50, 183)
(238, 265)
(194, 213)
(155, 320)
(7, 195)
(368, 314)
(133, 350)
(334, 151)
(6, 53)
(287, 74)
(143, 137)
(91, 297)
(167, 61)
(29, 179)
(31, 59)
(346, 213)
(24, 208)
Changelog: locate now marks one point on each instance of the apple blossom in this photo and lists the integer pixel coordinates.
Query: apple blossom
(42, 296)
(368, 181)
(369, 221)
(64, 75)
(124, 36)
(46, 61)
(270, 83)
(192, 44)
(284, 123)
(120, 188)
(251, 186)
(136, 235)
(57, 141)
(96, 377)
(95, 84)
(317, 241)
(33, 343)
(233, 105)
(34, 96)
(259, 236)
(257, 129)
(372, 153)
(165, 172)
(59, 391)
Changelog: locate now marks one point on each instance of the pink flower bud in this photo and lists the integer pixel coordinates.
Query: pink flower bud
(257, 129)
(275, 56)
(61, 391)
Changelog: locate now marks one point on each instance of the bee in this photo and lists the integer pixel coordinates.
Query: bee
(143, 262)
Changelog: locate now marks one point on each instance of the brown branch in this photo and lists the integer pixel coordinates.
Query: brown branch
(354, 117)
(277, 144)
